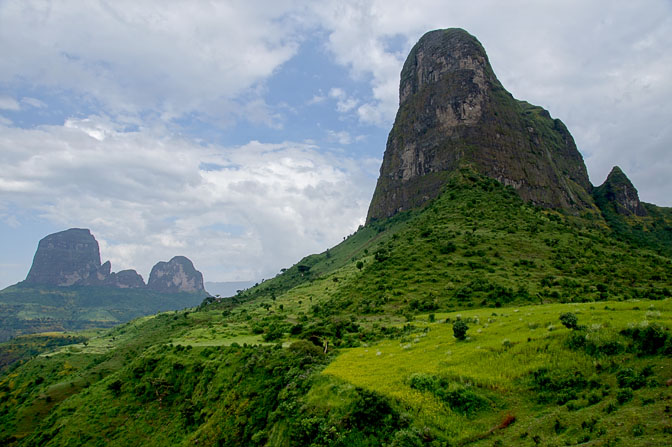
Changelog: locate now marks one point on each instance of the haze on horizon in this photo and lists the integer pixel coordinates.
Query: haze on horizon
(246, 136)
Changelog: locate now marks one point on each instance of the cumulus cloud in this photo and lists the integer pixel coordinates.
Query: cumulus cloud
(238, 212)
(34, 102)
(344, 102)
(9, 103)
(133, 57)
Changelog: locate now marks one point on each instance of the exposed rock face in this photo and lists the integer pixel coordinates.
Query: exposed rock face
(72, 258)
(177, 275)
(453, 111)
(65, 258)
(618, 191)
(125, 279)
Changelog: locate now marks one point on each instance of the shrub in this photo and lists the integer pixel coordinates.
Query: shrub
(569, 320)
(559, 386)
(462, 399)
(624, 395)
(629, 378)
(423, 382)
(649, 340)
(460, 329)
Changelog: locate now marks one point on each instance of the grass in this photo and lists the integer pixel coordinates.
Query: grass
(502, 350)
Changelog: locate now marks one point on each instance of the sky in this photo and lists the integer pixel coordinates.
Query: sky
(248, 134)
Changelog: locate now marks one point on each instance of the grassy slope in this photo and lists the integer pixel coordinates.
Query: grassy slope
(476, 248)
(26, 309)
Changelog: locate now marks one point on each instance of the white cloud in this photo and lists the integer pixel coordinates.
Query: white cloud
(9, 103)
(34, 102)
(134, 56)
(344, 103)
(341, 137)
(317, 99)
(12, 221)
(148, 196)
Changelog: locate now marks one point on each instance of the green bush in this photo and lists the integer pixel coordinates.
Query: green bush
(629, 378)
(462, 399)
(460, 329)
(569, 320)
(649, 340)
(559, 386)
(624, 395)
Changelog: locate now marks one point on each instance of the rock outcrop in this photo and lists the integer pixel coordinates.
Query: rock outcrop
(176, 275)
(65, 258)
(72, 258)
(453, 111)
(125, 279)
(619, 192)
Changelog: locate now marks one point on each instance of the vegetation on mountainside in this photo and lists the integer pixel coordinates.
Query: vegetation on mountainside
(653, 231)
(252, 370)
(26, 309)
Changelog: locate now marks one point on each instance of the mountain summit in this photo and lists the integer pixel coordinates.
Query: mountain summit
(453, 111)
(66, 258)
(618, 190)
(72, 258)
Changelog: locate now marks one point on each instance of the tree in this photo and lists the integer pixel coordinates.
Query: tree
(360, 265)
(460, 329)
(569, 320)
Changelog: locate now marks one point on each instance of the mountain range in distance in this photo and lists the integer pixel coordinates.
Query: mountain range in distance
(68, 288)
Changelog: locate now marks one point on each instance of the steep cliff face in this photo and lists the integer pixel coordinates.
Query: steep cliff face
(453, 111)
(176, 275)
(65, 258)
(72, 258)
(618, 192)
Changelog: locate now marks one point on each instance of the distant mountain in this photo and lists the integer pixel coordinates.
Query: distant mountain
(72, 257)
(67, 287)
(66, 258)
(174, 276)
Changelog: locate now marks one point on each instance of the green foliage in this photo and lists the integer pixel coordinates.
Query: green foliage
(569, 320)
(650, 339)
(460, 329)
(629, 378)
(463, 399)
(559, 386)
(26, 309)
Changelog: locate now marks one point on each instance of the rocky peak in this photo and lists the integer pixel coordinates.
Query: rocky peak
(618, 190)
(65, 258)
(452, 58)
(125, 279)
(176, 275)
(72, 258)
(453, 112)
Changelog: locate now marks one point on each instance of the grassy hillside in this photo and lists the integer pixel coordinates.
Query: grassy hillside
(27, 309)
(355, 346)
